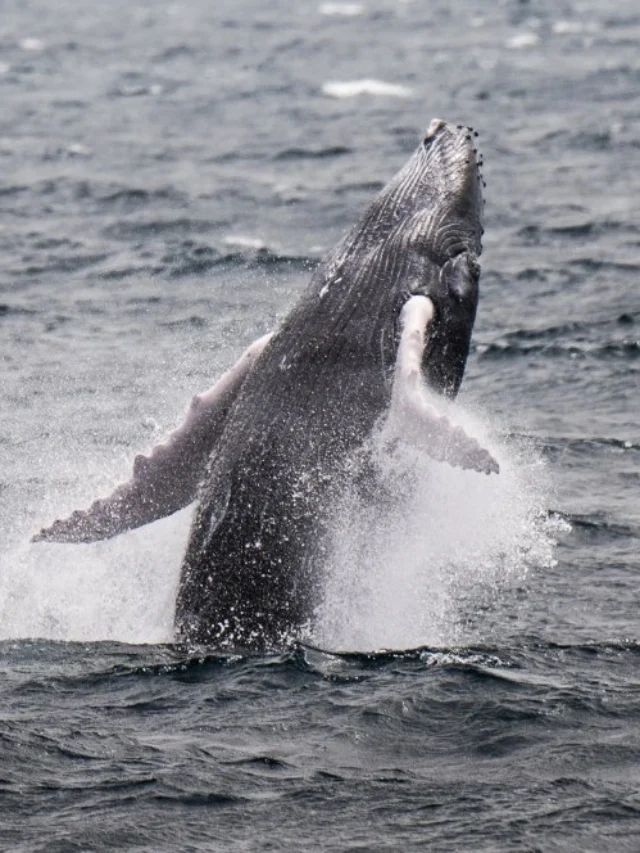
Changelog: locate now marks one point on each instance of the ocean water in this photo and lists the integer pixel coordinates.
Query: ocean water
(171, 173)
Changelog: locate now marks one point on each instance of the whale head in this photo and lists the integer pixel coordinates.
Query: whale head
(420, 236)
(433, 210)
(448, 240)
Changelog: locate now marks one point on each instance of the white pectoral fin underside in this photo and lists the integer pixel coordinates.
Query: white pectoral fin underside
(167, 479)
(412, 417)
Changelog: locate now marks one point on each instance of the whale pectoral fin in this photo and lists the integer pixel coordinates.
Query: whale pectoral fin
(412, 417)
(442, 439)
(167, 480)
(162, 483)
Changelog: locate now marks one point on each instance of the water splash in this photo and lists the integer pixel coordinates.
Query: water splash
(406, 559)
(72, 443)
(405, 562)
(123, 589)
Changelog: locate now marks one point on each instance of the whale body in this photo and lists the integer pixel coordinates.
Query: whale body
(383, 328)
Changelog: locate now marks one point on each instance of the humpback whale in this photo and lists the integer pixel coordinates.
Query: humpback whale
(381, 332)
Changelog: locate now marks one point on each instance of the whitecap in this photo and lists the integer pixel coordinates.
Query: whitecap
(522, 40)
(31, 44)
(345, 10)
(353, 88)
(77, 149)
(240, 241)
(574, 27)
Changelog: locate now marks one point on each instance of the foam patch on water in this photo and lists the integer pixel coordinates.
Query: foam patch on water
(523, 40)
(248, 243)
(405, 565)
(353, 88)
(344, 10)
(33, 45)
(563, 27)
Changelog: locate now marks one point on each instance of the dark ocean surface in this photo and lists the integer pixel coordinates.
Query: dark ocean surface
(170, 175)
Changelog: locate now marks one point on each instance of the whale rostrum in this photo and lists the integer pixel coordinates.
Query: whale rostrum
(382, 331)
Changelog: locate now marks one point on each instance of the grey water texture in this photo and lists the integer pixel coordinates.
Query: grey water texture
(171, 175)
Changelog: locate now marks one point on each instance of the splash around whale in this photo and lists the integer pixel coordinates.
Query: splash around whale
(355, 369)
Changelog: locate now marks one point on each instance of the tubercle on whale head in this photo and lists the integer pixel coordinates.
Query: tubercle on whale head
(450, 168)
(431, 210)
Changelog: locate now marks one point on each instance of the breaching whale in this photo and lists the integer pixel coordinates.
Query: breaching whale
(383, 328)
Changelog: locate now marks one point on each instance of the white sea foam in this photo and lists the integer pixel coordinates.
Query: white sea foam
(523, 40)
(403, 566)
(345, 10)
(31, 44)
(242, 241)
(77, 149)
(353, 88)
(574, 27)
